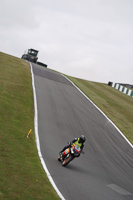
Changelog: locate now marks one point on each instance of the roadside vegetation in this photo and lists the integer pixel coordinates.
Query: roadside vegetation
(116, 105)
(22, 175)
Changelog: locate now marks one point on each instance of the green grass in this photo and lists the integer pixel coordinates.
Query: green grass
(22, 175)
(116, 105)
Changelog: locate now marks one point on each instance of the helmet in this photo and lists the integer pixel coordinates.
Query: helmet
(82, 138)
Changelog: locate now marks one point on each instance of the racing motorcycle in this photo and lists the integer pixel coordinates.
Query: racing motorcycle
(72, 152)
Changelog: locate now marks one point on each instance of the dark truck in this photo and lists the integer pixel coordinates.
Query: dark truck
(31, 55)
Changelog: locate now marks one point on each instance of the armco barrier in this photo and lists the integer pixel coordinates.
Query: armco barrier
(122, 89)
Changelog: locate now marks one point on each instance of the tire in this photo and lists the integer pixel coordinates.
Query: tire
(59, 158)
(67, 160)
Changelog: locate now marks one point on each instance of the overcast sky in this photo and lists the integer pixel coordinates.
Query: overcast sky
(88, 39)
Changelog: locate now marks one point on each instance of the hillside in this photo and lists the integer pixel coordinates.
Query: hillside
(116, 105)
(22, 175)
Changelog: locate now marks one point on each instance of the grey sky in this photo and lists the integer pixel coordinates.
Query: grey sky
(89, 39)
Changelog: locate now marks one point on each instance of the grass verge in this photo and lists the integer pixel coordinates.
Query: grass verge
(116, 105)
(22, 175)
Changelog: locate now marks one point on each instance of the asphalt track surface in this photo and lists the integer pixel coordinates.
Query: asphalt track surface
(105, 171)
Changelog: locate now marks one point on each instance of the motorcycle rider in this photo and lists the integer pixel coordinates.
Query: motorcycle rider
(79, 141)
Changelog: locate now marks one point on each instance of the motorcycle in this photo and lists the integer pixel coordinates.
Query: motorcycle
(72, 152)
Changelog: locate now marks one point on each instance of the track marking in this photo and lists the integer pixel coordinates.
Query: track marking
(102, 113)
(119, 189)
(37, 138)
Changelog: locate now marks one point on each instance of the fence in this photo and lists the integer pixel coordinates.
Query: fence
(121, 88)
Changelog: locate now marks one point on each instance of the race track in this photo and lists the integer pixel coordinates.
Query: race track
(105, 171)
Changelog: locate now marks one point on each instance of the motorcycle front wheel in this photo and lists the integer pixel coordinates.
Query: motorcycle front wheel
(67, 160)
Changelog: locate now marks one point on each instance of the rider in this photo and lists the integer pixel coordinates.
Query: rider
(79, 141)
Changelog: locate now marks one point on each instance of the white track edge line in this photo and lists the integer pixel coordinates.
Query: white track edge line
(37, 139)
(101, 112)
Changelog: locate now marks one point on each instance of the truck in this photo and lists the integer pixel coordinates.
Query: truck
(31, 55)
